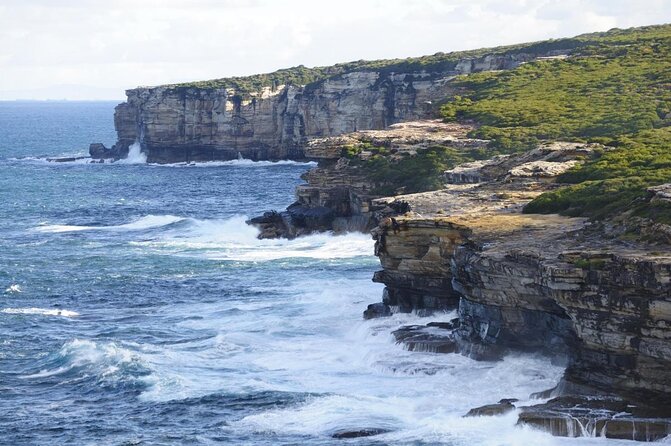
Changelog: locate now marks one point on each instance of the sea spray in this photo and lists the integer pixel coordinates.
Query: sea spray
(233, 239)
(135, 155)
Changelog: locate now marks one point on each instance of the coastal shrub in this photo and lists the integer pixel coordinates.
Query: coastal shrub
(420, 172)
(432, 64)
(616, 91)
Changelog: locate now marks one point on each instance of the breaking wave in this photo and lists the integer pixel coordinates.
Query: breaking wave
(233, 239)
(40, 311)
(135, 155)
(147, 222)
(104, 362)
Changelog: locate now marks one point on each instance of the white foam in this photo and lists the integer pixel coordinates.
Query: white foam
(14, 288)
(146, 222)
(309, 338)
(40, 311)
(102, 359)
(239, 163)
(135, 155)
(233, 239)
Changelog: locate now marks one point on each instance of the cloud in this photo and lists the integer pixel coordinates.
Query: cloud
(124, 43)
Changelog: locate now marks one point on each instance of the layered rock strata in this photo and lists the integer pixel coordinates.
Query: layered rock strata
(339, 193)
(569, 288)
(557, 285)
(177, 123)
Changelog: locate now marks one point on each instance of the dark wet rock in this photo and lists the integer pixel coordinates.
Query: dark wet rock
(544, 394)
(99, 151)
(270, 225)
(577, 416)
(488, 332)
(377, 310)
(295, 221)
(502, 407)
(508, 400)
(451, 325)
(318, 218)
(366, 432)
(425, 338)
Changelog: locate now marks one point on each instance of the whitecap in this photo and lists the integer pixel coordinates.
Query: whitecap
(40, 311)
(233, 239)
(146, 222)
(14, 288)
(104, 360)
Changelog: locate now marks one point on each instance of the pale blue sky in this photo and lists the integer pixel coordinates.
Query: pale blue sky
(95, 49)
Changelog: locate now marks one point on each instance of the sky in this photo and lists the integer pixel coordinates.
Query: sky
(92, 49)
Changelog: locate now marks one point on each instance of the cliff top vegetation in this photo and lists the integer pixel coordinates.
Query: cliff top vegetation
(439, 62)
(615, 91)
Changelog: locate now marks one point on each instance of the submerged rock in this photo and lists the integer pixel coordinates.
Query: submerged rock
(68, 159)
(366, 432)
(502, 407)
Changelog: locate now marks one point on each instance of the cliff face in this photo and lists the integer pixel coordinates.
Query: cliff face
(182, 124)
(545, 284)
(537, 283)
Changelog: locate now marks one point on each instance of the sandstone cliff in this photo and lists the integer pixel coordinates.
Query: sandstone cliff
(182, 123)
(562, 286)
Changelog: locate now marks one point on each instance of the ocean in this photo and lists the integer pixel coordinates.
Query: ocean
(138, 308)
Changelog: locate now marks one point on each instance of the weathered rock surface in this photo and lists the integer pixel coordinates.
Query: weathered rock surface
(184, 124)
(538, 283)
(379, 309)
(597, 417)
(501, 408)
(661, 193)
(562, 286)
(543, 283)
(366, 432)
(433, 338)
(340, 189)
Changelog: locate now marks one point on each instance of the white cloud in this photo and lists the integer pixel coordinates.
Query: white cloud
(119, 44)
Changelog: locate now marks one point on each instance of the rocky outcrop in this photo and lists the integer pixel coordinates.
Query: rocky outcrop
(178, 123)
(597, 417)
(341, 191)
(537, 283)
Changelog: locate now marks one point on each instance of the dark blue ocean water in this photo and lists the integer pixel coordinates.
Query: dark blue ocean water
(136, 307)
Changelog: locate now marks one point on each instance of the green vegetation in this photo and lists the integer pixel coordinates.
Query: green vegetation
(616, 91)
(395, 172)
(436, 63)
